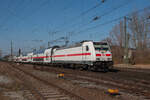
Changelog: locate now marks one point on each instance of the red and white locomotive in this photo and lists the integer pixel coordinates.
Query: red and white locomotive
(86, 55)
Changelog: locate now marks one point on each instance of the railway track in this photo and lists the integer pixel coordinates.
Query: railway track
(138, 70)
(27, 91)
(137, 87)
(42, 89)
(128, 87)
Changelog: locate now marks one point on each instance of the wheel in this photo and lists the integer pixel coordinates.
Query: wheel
(105, 70)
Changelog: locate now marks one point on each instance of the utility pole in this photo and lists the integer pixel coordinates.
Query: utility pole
(48, 44)
(126, 41)
(66, 41)
(49, 40)
(11, 54)
(19, 52)
(51, 35)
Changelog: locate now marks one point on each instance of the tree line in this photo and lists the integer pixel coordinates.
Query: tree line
(138, 38)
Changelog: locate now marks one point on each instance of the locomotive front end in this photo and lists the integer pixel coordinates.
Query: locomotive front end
(103, 55)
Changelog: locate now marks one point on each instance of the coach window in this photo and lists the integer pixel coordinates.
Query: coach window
(87, 48)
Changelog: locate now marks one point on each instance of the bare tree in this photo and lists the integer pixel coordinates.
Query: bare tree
(117, 41)
(117, 35)
(139, 37)
(108, 39)
(140, 33)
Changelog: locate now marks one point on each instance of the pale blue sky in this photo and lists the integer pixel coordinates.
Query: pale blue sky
(25, 20)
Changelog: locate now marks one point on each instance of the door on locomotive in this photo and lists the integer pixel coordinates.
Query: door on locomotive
(85, 52)
(86, 55)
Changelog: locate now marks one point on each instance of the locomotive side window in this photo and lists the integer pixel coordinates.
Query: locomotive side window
(87, 48)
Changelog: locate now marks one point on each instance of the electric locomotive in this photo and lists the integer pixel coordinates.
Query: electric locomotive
(86, 55)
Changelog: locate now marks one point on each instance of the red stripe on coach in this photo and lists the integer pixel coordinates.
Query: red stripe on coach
(80, 54)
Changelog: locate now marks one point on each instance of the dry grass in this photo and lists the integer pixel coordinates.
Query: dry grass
(142, 57)
(3, 97)
(137, 57)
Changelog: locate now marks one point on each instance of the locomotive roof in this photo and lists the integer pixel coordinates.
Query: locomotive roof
(100, 43)
(70, 46)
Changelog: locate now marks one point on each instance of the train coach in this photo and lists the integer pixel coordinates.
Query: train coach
(86, 55)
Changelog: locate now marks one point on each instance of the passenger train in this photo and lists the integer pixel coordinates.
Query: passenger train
(86, 55)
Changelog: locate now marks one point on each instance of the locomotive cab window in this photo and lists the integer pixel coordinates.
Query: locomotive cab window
(87, 48)
(101, 46)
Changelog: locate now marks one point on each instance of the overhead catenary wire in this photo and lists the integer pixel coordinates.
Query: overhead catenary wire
(37, 9)
(12, 13)
(109, 22)
(62, 11)
(80, 15)
(105, 23)
(90, 9)
(115, 8)
(104, 14)
(79, 30)
(8, 17)
(99, 17)
(66, 7)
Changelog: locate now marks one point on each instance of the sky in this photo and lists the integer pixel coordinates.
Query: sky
(32, 23)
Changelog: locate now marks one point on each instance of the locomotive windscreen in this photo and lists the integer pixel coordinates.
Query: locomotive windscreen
(101, 46)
